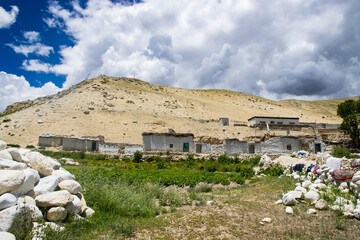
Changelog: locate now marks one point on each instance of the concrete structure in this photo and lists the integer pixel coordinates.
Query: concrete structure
(131, 149)
(273, 120)
(284, 144)
(81, 144)
(224, 121)
(50, 140)
(109, 148)
(174, 142)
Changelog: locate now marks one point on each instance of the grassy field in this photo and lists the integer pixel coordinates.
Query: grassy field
(137, 202)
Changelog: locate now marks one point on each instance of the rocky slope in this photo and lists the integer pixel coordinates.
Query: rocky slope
(121, 109)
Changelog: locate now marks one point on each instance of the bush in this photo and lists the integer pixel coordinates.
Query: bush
(245, 171)
(30, 146)
(137, 156)
(210, 168)
(340, 152)
(276, 170)
(13, 145)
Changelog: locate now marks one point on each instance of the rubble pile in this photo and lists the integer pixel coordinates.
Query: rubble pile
(333, 183)
(35, 188)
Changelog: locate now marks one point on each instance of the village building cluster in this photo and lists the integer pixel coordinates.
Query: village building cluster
(187, 142)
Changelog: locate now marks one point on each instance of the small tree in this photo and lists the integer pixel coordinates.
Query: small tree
(350, 111)
(137, 156)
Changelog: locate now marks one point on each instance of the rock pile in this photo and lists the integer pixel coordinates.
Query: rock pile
(34, 188)
(325, 187)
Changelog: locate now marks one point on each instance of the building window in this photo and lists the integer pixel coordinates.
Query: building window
(272, 122)
(288, 147)
(292, 123)
(171, 145)
(262, 122)
(280, 123)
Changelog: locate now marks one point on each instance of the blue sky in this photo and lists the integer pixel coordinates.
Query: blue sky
(275, 49)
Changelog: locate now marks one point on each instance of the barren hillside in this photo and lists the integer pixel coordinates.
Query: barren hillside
(121, 109)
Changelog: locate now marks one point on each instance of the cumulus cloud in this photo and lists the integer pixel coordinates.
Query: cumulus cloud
(36, 66)
(32, 36)
(37, 49)
(281, 49)
(15, 89)
(8, 18)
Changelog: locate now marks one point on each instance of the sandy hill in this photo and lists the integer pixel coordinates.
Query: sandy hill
(122, 108)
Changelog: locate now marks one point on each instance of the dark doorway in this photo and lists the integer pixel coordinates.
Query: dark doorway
(198, 148)
(251, 148)
(186, 147)
(93, 146)
(317, 147)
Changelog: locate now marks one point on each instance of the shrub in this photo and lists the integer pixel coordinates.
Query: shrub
(340, 152)
(237, 178)
(13, 145)
(275, 170)
(224, 159)
(245, 171)
(137, 156)
(161, 165)
(30, 146)
(210, 168)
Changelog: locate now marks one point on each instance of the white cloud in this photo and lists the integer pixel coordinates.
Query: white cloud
(32, 36)
(14, 89)
(37, 49)
(36, 66)
(8, 18)
(233, 44)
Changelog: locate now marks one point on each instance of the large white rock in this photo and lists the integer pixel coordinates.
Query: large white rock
(44, 165)
(311, 211)
(356, 178)
(35, 213)
(11, 165)
(5, 155)
(63, 175)
(289, 210)
(26, 200)
(321, 204)
(45, 185)
(306, 184)
(15, 154)
(38, 230)
(343, 185)
(3, 145)
(31, 177)
(301, 189)
(74, 206)
(89, 212)
(54, 199)
(296, 194)
(288, 199)
(56, 214)
(7, 236)
(312, 196)
(71, 185)
(10, 180)
(7, 200)
(265, 161)
(15, 219)
(357, 213)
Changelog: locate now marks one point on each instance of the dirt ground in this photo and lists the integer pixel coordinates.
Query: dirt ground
(236, 213)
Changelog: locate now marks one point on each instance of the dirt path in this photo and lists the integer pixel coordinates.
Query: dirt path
(237, 213)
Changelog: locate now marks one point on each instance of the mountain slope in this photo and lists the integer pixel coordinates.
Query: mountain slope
(121, 109)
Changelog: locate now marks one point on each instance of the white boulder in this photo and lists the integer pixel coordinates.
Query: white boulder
(11, 180)
(11, 165)
(44, 165)
(7, 200)
(45, 185)
(74, 206)
(54, 199)
(63, 175)
(26, 200)
(31, 177)
(321, 204)
(296, 194)
(289, 210)
(15, 154)
(312, 196)
(15, 219)
(3, 145)
(311, 211)
(5, 155)
(89, 212)
(71, 185)
(288, 199)
(306, 184)
(56, 214)
(35, 213)
(357, 213)
(7, 236)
